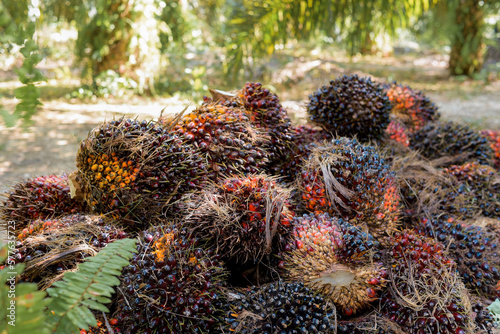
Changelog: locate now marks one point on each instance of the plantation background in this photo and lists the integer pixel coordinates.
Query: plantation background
(67, 66)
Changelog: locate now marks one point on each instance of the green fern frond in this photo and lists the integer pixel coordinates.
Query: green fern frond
(90, 287)
(21, 305)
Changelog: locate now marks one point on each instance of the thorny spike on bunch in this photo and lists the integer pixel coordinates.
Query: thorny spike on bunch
(172, 285)
(137, 169)
(337, 259)
(352, 107)
(353, 181)
(426, 295)
(280, 308)
(244, 217)
(39, 198)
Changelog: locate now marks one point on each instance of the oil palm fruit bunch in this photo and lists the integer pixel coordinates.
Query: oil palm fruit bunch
(426, 295)
(351, 106)
(246, 218)
(304, 138)
(280, 308)
(51, 247)
(475, 249)
(226, 138)
(411, 106)
(493, 138)
(438, 139)
(172, 285)
(39, 198)
(136, 169)
(266, 113)
(336, 259)
(480, 187)
(352, 180)
(398, 132)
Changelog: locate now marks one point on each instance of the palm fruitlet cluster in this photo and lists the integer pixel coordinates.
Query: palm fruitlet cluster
(475, 250)
(172, 285)
(426, 294)
(351, 180)
(49, 248)
(228, 143)
(245, 217)
(337, 259)
(375, 218)
(437, 140)
(351, 106)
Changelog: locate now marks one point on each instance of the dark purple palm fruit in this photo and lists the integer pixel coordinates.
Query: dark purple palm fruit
(479, 186)
(448, 139)
(351, 107)
(336, 259)
(279, 308)
(266, 113)
(172, 285)
(475, 249)
(426, 294)
(39, 198)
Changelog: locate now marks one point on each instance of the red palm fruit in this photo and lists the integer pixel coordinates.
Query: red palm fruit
(426, 294)
(353, 181)
(39, 198)
(411, 106)
(266, 113)
(398, 131)
(493, 138)
(337, 259)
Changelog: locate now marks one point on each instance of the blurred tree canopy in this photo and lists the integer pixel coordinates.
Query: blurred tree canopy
(128, 38)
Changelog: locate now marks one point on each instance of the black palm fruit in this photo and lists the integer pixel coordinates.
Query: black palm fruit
(351, 106)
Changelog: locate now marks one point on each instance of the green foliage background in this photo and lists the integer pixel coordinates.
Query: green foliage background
(116, 52)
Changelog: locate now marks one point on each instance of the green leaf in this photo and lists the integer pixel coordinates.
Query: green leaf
(88, 287)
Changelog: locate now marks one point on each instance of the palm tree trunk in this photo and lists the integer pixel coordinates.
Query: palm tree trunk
(467, 48)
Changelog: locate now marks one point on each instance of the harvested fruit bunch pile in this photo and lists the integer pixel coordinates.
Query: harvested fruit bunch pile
(377, 218)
